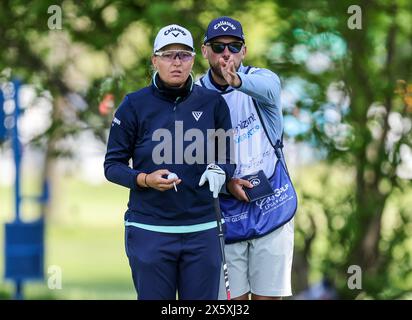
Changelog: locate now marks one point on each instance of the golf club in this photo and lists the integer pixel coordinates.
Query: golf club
(222, 245)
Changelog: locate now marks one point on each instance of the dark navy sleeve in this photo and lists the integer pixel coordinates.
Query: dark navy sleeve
(222, 121)
(120, 147)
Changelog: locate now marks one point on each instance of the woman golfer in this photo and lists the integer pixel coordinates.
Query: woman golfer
(171, 231)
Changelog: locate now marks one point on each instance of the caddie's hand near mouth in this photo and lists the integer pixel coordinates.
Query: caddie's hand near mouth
(229, 71)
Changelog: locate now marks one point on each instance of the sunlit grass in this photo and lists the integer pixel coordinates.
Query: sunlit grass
(92, 262)
(84, 238)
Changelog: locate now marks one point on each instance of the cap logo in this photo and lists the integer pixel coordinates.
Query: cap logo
(222, 24)
(178, 30)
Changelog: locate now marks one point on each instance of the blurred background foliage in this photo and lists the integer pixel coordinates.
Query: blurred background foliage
(347, 95)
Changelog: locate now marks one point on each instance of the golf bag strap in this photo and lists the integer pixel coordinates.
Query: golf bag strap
(278, 145)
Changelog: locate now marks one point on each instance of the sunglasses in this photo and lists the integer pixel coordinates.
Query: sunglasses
(171, 55)
(219, 47)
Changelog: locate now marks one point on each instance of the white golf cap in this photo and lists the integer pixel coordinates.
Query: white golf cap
(172, 34)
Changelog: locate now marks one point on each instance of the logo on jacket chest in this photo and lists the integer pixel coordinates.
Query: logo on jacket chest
(197, 114)
(246, 128)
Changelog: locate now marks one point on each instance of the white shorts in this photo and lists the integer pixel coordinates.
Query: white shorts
(262, 266)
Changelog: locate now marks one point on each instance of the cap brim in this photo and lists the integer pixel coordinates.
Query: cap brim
(184, 44)
(224, 35)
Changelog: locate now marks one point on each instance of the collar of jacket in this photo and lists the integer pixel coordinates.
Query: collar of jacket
(171, 93)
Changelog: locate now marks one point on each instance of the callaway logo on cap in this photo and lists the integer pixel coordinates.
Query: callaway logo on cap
(224, 26)
(172, 34)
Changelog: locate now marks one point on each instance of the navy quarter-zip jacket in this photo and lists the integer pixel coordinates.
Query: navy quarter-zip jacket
(135, 120)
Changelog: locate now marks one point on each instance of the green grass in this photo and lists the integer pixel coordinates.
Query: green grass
(92, 262)
(84, 238)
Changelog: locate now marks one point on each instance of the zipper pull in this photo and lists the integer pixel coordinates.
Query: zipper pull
(177, 99)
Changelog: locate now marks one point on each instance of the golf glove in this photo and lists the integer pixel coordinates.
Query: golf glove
(216, 178)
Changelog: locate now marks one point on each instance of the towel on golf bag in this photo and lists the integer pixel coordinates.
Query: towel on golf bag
(248, 220)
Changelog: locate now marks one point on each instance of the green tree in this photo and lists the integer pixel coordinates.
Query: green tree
(364, 67)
